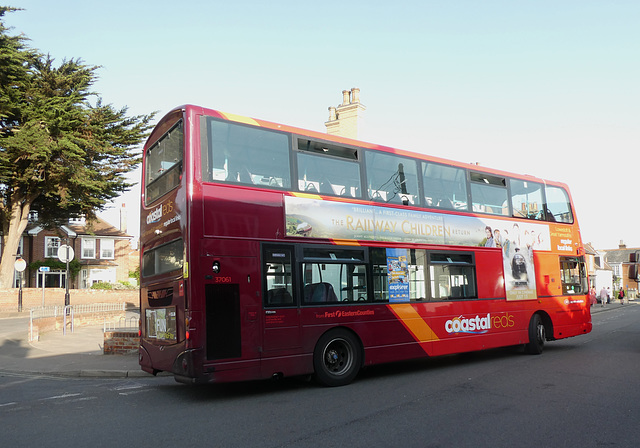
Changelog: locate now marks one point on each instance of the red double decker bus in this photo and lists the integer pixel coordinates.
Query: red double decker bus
(272, 251)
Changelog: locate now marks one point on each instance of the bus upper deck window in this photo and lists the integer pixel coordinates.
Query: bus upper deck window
(243, 154)
(527, 199)
(445, 187)
(489, 194)
(392, 179)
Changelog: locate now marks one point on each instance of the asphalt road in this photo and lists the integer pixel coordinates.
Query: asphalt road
(580, 392)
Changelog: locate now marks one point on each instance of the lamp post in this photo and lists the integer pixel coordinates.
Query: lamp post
(66, 254)
(20, 265)
(66, 283)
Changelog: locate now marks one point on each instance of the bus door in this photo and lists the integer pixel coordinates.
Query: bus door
(233, 309)
(281, 312)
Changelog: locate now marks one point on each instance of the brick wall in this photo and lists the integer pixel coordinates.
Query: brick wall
(32, 298)
(120, 342)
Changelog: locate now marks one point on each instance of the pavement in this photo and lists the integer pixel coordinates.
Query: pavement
(79, 353)
(74, 354)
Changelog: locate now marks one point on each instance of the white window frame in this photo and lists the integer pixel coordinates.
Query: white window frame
(51, 245)
(84, 279)
(88, 247)
(616, 269)
(107, 244)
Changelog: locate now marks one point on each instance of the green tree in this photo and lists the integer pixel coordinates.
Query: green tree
(61, 155)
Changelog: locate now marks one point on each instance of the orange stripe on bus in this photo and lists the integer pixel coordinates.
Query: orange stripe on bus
(345, 242)
(414, 322)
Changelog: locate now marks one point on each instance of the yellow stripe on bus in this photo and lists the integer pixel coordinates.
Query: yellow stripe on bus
(240, 118)
(306, 195)
(414, 322)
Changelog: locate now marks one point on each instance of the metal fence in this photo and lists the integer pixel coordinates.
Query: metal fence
(69, 311)
(55, 311)
(124, 323)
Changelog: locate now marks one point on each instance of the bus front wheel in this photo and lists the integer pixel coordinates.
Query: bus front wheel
(537, 335)
(336, 358)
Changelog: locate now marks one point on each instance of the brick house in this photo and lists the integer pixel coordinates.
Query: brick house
(104, 252)
(624, 263)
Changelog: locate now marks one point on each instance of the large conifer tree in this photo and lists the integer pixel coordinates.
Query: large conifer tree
(61, 154)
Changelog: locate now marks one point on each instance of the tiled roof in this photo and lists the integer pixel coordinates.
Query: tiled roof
(98, 227)
(615, 256)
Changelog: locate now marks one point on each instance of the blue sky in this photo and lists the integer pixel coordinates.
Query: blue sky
(547, 88)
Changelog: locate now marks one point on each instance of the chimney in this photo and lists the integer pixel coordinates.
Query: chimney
(332, 114)
(346, 97)
(622, 245)
(123, 219)
(345, 119)
(355, 95)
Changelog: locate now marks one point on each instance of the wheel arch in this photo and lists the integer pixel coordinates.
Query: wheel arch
(548, 324)
(353, 333)
(337, 357)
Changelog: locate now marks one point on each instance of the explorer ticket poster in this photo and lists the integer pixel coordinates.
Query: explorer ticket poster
(316, 218)
(397, 275)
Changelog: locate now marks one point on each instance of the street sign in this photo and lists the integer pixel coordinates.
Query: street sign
(20, 265)
(62, 253)
(44, 269)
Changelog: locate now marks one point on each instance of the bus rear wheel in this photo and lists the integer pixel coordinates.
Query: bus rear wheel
(537, 335)
(336, 358)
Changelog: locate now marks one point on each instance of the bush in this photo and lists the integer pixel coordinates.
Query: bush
(115, 286)
(102, 285)
(124, 285)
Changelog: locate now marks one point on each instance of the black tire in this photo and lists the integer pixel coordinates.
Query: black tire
(537, 336)
(337, 358)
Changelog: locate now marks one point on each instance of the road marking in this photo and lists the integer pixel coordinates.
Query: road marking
(133, 392)
(128, 386)
(77, 400)
(57, 397)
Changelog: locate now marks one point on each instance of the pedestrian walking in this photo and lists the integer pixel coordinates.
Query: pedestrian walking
(592, 296)
(603, 296)
(621, 296)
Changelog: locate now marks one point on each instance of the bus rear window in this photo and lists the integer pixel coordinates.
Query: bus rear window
(164, 164)
(558, 205)
(160, 324)
(165, 258)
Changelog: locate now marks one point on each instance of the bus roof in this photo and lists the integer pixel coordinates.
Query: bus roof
(194, 110)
